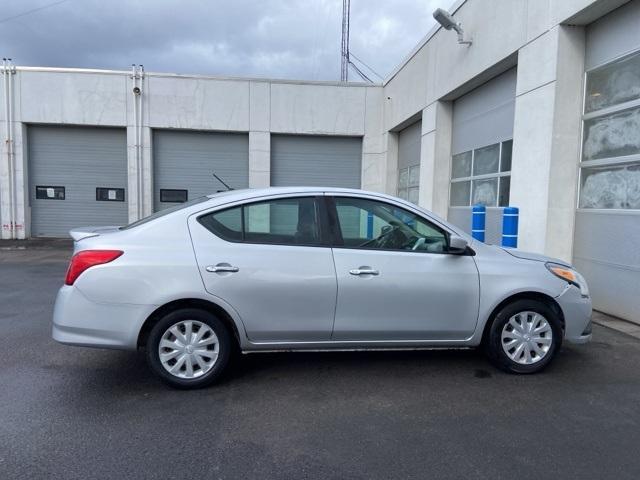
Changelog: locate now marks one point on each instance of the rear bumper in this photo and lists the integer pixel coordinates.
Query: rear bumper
(577, 315)
(79, 321)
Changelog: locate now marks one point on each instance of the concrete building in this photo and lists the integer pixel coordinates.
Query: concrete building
(541, 111)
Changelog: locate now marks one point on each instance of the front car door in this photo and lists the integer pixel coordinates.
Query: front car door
(271, 261)
(396, 280)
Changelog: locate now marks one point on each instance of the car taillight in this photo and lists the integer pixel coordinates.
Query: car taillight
(87, 259)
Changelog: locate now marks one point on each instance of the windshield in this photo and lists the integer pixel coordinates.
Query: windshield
(164, 212)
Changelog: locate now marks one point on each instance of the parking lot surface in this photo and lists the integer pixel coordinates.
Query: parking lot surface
(78, 413)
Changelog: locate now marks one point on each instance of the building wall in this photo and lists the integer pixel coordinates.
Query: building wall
(259, 107)
(545, 40)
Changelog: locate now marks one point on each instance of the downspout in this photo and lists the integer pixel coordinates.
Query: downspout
(7, 109)
(136, 141)
(140, 142)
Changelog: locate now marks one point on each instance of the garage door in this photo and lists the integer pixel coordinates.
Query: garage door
(184, 164)
(77, 177)
(321, 161)
(607, 228)
(481, 147)
(409, 145)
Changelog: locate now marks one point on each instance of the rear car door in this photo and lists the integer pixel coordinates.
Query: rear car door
(271, 261)
(396, 280)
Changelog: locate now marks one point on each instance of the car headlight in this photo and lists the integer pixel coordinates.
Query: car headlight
(570, 275)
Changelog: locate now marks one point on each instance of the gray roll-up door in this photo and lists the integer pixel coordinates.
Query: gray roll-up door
(409, 142)
(607, 227)
(67, 166)
(482, 118)
(185, 161)
(322, 161)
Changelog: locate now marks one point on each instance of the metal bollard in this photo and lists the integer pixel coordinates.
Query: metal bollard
(478, 220)
(510, 227)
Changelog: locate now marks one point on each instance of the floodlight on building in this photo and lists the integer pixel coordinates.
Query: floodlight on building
(448, 23)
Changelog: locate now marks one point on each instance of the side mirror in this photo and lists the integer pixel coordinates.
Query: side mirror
(458, 245)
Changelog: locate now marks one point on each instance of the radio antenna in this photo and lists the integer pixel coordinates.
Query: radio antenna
(221, 181)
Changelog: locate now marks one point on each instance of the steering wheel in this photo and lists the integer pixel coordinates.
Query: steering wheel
(393, 233)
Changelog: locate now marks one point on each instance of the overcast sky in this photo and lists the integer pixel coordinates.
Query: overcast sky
(262, 38)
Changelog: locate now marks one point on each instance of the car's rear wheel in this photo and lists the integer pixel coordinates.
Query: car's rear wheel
(524, 337)
(189, 348)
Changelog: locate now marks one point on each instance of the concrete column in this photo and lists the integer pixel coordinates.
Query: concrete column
(435, 157)
(374, 158)
(391, 153)
(259, 136)
(546, 140)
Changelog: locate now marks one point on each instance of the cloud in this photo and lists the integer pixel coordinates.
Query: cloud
(269, 38)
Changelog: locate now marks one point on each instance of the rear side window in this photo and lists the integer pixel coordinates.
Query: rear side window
(285, 221)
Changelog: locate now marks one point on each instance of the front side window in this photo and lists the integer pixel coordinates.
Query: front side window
(285, 221)
(610, 163)
(370, 224)
(481, 176)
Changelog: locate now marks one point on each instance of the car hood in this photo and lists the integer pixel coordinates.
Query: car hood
(536, 257)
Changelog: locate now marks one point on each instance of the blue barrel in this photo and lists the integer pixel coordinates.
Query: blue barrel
(369, 225)
(478, 220)
(510, 227)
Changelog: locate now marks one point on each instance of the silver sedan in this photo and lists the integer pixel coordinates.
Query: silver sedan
(310, 269)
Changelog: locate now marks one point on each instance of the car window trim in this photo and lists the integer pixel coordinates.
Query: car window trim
(338, 240)
(318, 200)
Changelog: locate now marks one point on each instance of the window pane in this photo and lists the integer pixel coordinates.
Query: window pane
(461, 165)
(287, 221)
(403, 178)
(485, 160)
(460, 193)
(226, 224)
(505, 184)
(485, 192)
(612, 135)
(414, 176)
(505, 162)
(611, 187)
(403, 194)
(613, 84)
(414, 194)
(377, 225)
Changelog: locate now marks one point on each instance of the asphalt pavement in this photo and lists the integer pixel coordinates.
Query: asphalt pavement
(77, 413)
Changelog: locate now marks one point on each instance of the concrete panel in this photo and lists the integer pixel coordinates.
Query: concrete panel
(259, 159)
(543, 53)
(538, 18)
(259, 106)
(198, 103)
(73, 98)
(317, 109)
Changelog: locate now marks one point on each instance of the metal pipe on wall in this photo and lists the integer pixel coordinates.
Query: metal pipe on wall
(6, 72)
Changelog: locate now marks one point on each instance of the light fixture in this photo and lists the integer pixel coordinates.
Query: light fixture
(448, 23)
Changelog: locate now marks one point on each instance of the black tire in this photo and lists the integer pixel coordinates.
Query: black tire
(225, 346)
(493, 342)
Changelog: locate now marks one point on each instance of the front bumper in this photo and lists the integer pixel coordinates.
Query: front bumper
(80, 321)
(577, 315)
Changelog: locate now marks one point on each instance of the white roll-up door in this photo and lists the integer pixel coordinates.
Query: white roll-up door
(77, 177)
(316, 160)
(184, 163)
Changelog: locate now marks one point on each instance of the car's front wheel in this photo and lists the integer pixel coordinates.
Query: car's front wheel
(189, 348)
(524, 337)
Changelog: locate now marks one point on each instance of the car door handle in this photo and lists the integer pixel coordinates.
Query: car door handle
(364, 271)
(221, 268)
